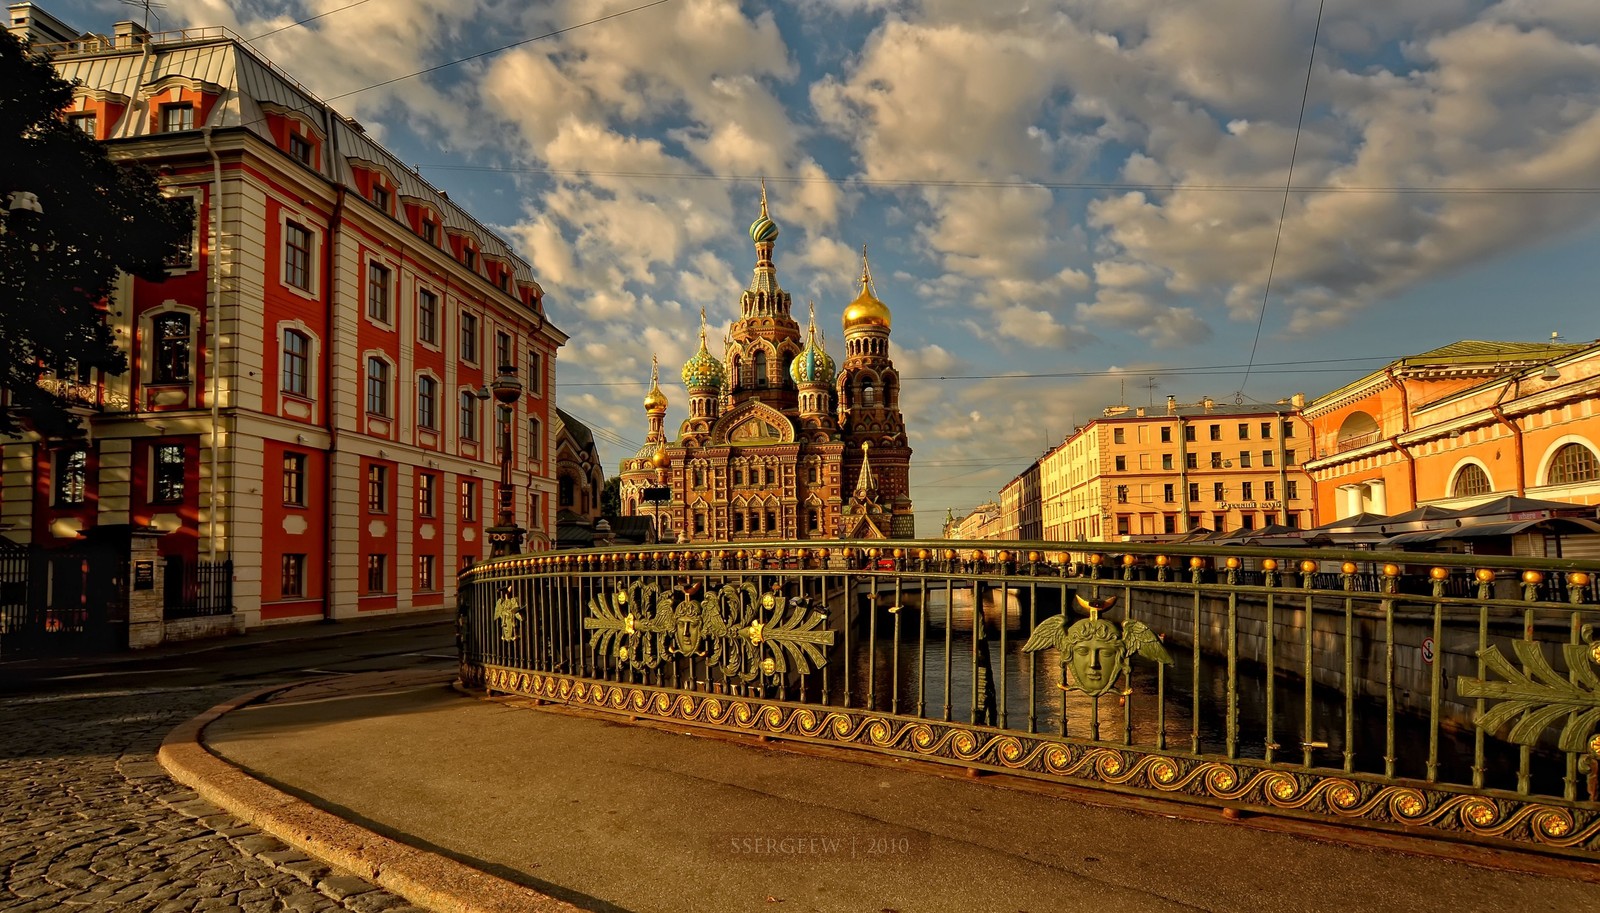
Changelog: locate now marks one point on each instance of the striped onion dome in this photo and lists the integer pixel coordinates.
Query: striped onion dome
(763, 230)
(812, 365)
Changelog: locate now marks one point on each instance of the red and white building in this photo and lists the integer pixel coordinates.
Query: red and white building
(305, 393)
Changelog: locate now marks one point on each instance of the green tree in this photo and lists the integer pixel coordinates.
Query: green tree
(58, 266)
(611, 497)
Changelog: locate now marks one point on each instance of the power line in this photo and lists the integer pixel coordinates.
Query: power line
(505, 47)
(1286, 367)
(1049, 185)
(1283, 211)
(306, 20)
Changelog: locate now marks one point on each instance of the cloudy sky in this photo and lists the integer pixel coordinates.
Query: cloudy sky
(1068, 204)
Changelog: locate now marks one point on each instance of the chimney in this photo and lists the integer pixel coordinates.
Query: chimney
(129, 34)
(1139, 412)
(1208, 403)
(1172, 404)
(1299, 400)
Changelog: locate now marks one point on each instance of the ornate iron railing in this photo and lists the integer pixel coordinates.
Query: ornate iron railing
(1350, 686)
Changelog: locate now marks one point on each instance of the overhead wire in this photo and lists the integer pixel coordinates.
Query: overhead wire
(300, 22)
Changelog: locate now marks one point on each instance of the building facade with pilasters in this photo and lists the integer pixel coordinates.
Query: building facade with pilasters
(307, 391)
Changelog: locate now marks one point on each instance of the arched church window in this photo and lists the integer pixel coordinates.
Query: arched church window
(869, 395)
(759, 364)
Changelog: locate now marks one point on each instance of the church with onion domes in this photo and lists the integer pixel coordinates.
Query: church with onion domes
(781, 442)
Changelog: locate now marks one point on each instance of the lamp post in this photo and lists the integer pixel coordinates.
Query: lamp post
(505, 538)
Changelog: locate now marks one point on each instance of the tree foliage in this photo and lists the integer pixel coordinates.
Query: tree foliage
(58, 267)
(611, 497)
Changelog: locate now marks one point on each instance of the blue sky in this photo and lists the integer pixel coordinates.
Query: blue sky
(963, 143)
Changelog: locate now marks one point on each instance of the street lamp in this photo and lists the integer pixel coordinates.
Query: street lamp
(660, 460)
(505, 538)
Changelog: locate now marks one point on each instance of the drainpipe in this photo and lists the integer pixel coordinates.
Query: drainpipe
(1183, 476)
(1516, 433)
(330, 283)
(214, 317)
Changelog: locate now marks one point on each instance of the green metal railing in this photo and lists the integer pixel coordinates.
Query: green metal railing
(1446, 695)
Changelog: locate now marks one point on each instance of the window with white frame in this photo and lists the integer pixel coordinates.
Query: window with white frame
(177, 116)
(427, 403)
(1573, 463)
(427, 317)
(378, 291)
(297, 256)
(170, 348)
(296, 363)
(1470, 480)
(166, 477)
(469, 338)
(468, 409)
(377, 386)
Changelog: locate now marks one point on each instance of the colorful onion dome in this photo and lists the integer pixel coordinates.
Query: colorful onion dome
(702, 371)
(763, 230)
(812, 365)
(866, 310)
(655, 400)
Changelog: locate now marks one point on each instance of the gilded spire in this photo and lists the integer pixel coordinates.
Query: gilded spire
(866, 273)
(763, 197)
(866, 485)
(655, 400)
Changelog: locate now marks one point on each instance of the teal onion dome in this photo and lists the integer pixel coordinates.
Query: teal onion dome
(812, 365)
(763, 230)
(702, 370)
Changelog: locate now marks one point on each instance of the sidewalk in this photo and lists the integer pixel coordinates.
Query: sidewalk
(34, 666)
(609, 816)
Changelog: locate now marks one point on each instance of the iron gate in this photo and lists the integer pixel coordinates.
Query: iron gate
(62, 600)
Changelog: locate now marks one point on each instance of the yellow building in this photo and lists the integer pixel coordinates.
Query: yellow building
(1142, 474)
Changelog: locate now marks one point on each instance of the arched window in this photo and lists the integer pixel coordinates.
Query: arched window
(171, 350)
(565, 491)
(1573, 463)
(1470, 480)
(869, 395)
(759, 365)
(296, 362)
(377, 386)
(469, 416)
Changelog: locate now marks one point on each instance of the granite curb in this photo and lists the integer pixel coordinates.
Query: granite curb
(427, 879)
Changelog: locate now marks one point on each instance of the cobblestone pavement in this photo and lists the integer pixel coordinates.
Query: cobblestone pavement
(90, 822)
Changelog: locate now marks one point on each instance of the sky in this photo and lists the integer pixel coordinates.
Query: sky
(1067, 204)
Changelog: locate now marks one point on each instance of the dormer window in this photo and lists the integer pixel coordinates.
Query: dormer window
(380, 196)
(505, 282)
(86, 122)
(470, 258)
(177, 117)
(300, 148)
(430, 232)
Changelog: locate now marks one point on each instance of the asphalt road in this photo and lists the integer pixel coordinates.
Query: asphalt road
(88, 820)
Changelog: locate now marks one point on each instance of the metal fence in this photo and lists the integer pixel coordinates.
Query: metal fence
(197, 589)
(1357, 687)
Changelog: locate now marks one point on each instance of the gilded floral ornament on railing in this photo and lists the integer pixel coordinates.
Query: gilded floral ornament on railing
(1541, 697)
(734, 627)
(507, 612)
(1094, 649)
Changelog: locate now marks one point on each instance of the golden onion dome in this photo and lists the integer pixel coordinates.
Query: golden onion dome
(866, 310)
(660, 459)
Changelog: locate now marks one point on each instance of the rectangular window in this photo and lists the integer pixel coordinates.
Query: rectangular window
(1268, 490)
(1118, 436)
(1248, 521)
(171, 349)
(1244, 431)
(297, 256)
(296, 361)
(1191, 460)
(470, 258)
(1122, 525)
(85, 122)
(1288, 458)
(1291, 490)
(1166, 434)
(535, 516)
(468, 415)
(1266, 458)
(1266, 431)
(430, 232)
(1216, 432)
(1288, 430)
(738, 522)
(427, 316)
(469, 502)
(699, 523)
(1219, 522)
(1247, 491)
(377, 386)
(380, 196)
(72, 476)
(1244, 459)
(1217, 492)
(1188, 433)
(536, 439)
(425, 574)
(738, 476)
(1170, 523)
(535, 372)
(1194, 491)
(469, 338)
(772, 522)
(377, 573)
(292, 576)
(1122, 494)
(177, 117)
(300, 148)
(502, 352)
(1121, 464)
(168, 475)
(294, 479)
(377, 489)
(378, 292)
(1166, 461)
(1167, 493)
(427, 494)
(427, 403)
